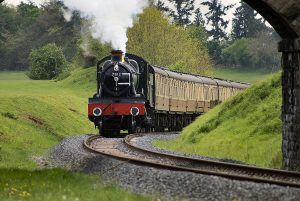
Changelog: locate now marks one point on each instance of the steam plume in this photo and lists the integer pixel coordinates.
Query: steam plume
(111, 18)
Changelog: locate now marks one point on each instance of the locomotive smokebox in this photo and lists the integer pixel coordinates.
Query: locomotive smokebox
(117, 56)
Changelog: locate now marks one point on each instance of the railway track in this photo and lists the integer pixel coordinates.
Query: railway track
(140, 156)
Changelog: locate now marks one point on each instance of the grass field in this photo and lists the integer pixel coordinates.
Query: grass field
(39, 113)
(13, 75)
(34, 116)
(57, 185)
(248, 76)
(246, 128)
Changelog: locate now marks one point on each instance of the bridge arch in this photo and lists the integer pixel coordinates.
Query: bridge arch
(284, 16)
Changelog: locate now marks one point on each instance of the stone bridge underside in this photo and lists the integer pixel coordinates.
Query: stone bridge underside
(284, 16)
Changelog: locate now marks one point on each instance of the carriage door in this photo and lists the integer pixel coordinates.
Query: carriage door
(151, 89)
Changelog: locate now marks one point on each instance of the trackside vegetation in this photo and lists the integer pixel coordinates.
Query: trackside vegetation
(35, 115)
(245, 128)
(49, 185)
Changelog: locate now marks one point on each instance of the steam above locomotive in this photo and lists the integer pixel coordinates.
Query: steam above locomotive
(135, 96)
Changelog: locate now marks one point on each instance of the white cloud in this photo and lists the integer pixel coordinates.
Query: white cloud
(17, 2)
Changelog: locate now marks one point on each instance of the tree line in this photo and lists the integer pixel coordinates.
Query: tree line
(28, 29)
(249, 44)
(171, 33)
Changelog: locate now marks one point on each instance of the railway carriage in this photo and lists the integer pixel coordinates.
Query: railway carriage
(136, 96)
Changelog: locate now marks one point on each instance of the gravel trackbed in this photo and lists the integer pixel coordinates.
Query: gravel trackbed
(170, 185)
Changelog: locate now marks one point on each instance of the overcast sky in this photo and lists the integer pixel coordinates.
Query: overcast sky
(198, 2)
(16, 2)
(225, 2)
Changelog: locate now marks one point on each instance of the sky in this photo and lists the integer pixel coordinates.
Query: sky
(203, 8)
(16, 2)
(225, 2)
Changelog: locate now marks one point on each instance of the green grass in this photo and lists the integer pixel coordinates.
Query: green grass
(44, 112)
(34, 116)
(82, 82)
(248, 76)
(13, 75)
(50, 185)
(246, 128)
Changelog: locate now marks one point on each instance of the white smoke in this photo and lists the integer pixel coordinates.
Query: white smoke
(111, 18)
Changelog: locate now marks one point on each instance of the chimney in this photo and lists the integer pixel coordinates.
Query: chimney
(117, 55)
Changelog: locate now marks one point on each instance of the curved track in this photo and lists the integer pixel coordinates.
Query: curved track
(141, 156)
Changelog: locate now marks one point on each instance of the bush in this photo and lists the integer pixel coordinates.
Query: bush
(47, 62)
(239, 53)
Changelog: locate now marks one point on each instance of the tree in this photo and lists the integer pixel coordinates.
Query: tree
(183, 11)
(197, 28)
(245, 24)
(8, 27)
(215, 18)
(160, 5)
(265, 47)
(165, 44)
(47, 62)
(239, 54)
(257, 52)
(49, 26)
(28, 12)
(199, 21)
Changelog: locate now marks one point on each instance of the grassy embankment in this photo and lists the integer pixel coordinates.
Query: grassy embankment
(34, 116)
(245, 128)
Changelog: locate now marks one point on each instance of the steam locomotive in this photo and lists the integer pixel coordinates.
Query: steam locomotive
(135, 96)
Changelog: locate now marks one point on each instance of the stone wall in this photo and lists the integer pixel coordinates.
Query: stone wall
(290, 105)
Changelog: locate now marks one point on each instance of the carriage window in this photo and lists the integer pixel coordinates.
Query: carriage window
(193, 92)
(187, 92)
(179, 90)
(206, 91)
(166, 86)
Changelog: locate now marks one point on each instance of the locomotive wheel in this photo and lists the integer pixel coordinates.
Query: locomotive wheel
(143, 130)
(132, 130)
(139, 129)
